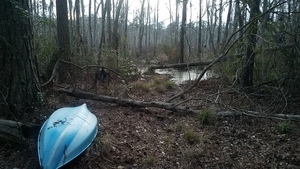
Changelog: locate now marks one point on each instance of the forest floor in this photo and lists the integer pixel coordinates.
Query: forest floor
(131, 137)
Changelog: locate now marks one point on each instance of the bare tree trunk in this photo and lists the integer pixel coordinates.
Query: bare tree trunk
(77, 10)
(78, 36)
(96, 9)
(182, 32)
(35, 4)
(141, 29)
(63, 29)
(220, 22)
(227, 21)
(109, 30)
(90, 24)
(50, 16)
(44, 14)
(44, 8)
(126, 30)
(63, 36)
(31, 6)
(177, 23)
(171, 21)
(102, 40)
(84, 38)
(20, 86)
(214, 24)
(71, 18)
(116, 34)
(147, 26)
(199, 50)
(238, 19)
(246, 77)
(155, 33)
(83, 18)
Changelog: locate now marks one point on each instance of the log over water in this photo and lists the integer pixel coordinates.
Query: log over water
(179, 65)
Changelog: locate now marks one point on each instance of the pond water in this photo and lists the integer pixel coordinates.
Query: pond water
(182, 76)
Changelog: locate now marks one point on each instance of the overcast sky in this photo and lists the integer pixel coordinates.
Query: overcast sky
(164, 16)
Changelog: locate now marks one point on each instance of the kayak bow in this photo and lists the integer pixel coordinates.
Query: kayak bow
(65, 135)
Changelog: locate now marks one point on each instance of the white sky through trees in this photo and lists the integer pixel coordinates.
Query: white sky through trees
(164, 9)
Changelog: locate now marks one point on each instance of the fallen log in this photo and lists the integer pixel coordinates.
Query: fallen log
(15, 133)
(78, 93)
(179, 65)
(235, 113)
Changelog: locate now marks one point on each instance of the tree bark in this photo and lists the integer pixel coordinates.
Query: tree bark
(246, 76)
(116, 34)
(109, 30)
(83, 24)
(102, 40)
(90, 25)
(199, 50)
(220, 22)
(141, 29)
(182, 32)
(96, 9)
(63, 36)
(177, 23)
(77, 14)
(227, 21)
(125, 41)
(71, 18)
(19, 82)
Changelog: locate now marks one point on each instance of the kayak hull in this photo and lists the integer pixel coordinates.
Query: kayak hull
(65, 135)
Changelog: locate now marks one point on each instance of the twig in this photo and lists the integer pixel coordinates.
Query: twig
(98, 66)
(56, 66)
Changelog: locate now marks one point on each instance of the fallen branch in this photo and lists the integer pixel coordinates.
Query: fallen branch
(258, 114)
(167, 106)
(179, 65)
(57, 64)
(13, 132)
(124, 102)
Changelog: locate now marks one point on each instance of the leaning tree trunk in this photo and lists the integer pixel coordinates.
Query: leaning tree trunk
(19, 82)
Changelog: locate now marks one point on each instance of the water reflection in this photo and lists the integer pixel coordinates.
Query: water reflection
(181, 76)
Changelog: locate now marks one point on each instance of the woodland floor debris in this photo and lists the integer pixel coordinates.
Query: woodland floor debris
(131, 137)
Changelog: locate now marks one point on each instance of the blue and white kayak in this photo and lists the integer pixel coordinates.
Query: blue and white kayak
(65, 135)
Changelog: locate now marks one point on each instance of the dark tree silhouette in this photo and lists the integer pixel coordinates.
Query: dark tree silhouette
(182, 32)
(246, 77)
(19, 82)
(63, 35)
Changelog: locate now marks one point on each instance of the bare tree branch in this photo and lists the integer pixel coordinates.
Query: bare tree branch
(57, 64)
(223, 54)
